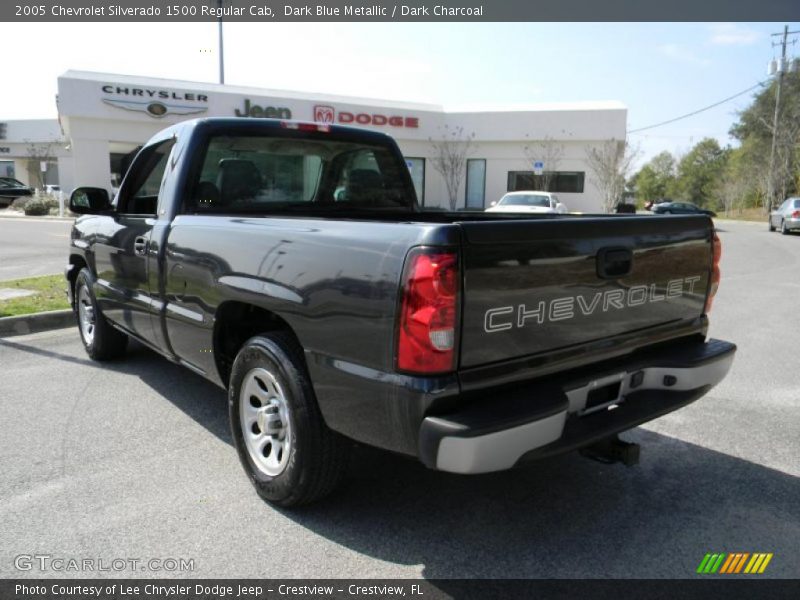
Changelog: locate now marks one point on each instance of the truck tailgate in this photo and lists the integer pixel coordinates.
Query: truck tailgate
(536, 285)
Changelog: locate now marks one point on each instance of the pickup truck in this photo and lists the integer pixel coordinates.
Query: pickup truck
(290, 264)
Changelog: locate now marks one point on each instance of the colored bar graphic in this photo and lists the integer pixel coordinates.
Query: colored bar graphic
(741, 562)
(765, 563)
(703, 563)
(754, 562)
(727, 564)
(734, 562)
(718, 563)
(736, 557)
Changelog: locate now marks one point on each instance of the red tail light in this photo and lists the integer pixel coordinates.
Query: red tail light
(796, 214)
(428, 317)
(715, 272)
(322, 127)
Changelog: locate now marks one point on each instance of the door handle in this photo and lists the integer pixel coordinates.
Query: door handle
(140, 246)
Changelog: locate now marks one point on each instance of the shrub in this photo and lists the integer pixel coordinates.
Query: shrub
(39, 206)
(19, 203)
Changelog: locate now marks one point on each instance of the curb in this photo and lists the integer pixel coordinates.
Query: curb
(45, 218)
(35, 322)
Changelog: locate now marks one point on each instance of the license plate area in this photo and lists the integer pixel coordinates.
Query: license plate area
(602, 397)
(598, 395)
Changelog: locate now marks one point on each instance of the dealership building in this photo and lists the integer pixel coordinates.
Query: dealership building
(103, 118)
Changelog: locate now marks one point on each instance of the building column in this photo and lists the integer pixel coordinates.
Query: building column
(91, 165)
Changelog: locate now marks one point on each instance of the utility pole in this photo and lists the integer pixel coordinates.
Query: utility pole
(781, 69)
(221, 46)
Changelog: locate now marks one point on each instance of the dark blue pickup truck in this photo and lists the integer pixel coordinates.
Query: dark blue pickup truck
(290, 264)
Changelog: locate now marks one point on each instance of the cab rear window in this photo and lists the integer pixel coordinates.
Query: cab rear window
(259, 173)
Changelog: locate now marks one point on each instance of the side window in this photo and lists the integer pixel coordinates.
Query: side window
(139, 195)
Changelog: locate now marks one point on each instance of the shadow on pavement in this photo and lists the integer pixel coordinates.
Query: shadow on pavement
(196, 397)
(567, 516)
(563, 517)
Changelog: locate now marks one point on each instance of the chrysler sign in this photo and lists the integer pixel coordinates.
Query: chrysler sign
(328, 114)
(156, 103)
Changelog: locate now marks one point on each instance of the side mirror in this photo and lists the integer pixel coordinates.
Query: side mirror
(89, 201)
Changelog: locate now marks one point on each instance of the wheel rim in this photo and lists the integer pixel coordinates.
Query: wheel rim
(266, 421)
(86, 316)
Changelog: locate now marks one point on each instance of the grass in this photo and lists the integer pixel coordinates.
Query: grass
(49, 295)
(744, 214)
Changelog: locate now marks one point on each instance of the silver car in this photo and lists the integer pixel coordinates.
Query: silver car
(786, 217)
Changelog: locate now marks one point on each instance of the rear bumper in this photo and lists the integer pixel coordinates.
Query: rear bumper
(543, 419)
(792, 224)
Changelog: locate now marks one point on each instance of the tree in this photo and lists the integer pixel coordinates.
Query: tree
(656, 179)
(732, 187)
(39, 153)
(610, 163)
(700, 170)
(450, 154)
(548, 151)
(755, 129)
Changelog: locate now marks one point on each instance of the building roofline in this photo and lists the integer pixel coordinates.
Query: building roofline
(377, 102)
(239, 89)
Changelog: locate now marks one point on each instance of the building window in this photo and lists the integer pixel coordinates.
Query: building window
(416, 166)
(476, 183)
(567, 182)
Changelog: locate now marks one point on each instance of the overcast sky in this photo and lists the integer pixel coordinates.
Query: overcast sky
(658, 70)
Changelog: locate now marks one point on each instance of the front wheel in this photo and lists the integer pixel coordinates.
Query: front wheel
(289, 453)
(100, 340)
(770, 225)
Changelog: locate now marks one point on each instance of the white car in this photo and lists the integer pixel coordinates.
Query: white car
(528, 202)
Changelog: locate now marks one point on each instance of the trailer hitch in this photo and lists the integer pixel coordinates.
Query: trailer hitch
(612, 450)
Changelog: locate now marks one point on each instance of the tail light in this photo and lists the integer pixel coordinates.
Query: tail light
(715, 272)
(321, 127)
(428, 315)
(796, 214)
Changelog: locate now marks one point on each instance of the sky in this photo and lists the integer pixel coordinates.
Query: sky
(658, 70)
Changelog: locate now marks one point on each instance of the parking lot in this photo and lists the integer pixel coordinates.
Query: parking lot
(32, 247)
(135, 459)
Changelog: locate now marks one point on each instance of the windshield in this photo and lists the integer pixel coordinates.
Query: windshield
(525, 200)
(797, 203)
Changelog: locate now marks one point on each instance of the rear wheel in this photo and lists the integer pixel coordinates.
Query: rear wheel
(100, 340)
(784, 229)
(289, 454)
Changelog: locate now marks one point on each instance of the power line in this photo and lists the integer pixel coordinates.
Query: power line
(697, 112)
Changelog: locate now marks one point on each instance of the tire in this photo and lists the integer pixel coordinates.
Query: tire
(785, 230)
(100, 340)
(667, 212)
(770, 225)
(288, 452)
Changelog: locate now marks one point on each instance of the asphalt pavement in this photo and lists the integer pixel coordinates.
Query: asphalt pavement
(31, 247)
(133, 459)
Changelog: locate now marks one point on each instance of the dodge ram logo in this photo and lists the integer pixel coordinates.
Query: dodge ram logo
(324, 114)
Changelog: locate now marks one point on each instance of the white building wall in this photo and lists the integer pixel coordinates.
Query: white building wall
(95, 124)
